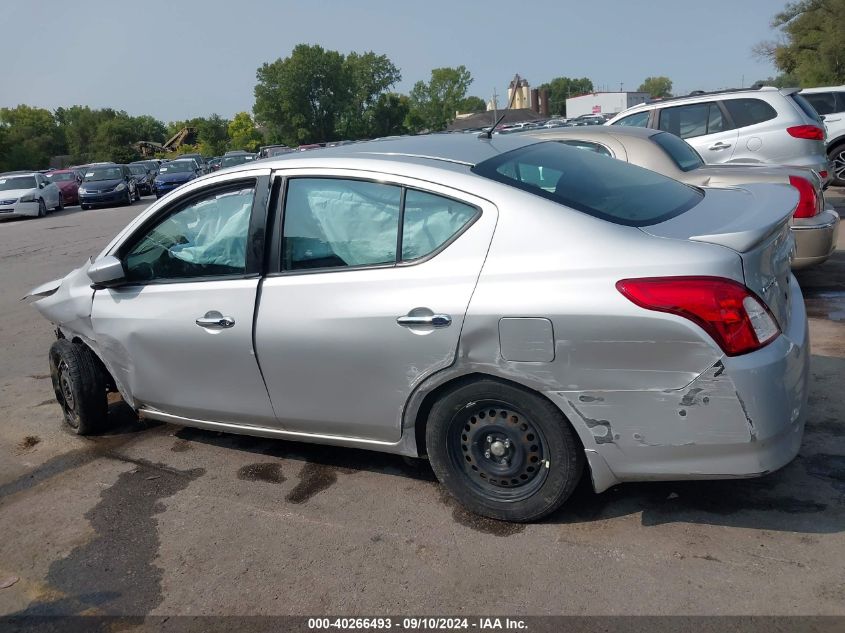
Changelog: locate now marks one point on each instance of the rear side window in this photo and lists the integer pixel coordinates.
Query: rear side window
(822, 102)
(689, 121)
(840, 101)
(429, 221)
(603, 187)
(746, 112)
(681, 152)
(639, 119)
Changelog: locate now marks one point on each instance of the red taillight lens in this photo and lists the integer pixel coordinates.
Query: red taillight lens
(728, 311)
(808, 201)
(811, 132)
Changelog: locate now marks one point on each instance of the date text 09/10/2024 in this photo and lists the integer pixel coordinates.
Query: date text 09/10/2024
(418, 623)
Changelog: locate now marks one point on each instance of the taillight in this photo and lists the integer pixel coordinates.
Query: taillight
(811, 132)
(728, 311)
(808, 201)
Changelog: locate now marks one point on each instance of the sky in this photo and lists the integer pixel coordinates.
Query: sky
(177, 59)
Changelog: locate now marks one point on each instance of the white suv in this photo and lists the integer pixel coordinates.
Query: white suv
(829, 102)
(763, 125)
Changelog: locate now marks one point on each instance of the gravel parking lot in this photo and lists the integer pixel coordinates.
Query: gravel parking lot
(159, 519)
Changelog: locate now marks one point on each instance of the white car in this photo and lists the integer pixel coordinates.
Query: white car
(28, 194)
(829, 102)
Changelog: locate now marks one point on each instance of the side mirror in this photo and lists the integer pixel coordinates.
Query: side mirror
(41, 185)
(107, 271)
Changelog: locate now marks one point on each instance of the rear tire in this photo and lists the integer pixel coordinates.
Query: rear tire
(79, 385)
(502, 451)
(836, 158)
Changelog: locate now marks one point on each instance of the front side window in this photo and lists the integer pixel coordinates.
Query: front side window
(205, 238)
(332, 222)
(822, 102)
(603, 187)
(640, 119)
(690, 121)
(746, 112)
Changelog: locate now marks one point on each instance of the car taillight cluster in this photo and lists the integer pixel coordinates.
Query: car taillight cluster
(729, 312)
(808, 200)
(810, 132)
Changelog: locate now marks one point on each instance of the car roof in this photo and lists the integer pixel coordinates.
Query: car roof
(464, 149)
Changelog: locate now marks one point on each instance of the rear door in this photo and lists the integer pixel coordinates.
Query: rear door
(704, 126)
(373, 279)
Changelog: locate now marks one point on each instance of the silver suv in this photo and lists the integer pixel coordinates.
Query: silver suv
(763, 125)
(829, 102)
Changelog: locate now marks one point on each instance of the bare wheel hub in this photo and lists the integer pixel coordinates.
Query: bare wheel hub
(499, 449)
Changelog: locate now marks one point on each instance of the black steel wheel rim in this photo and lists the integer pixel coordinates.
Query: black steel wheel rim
(66, 389)
(501, 452)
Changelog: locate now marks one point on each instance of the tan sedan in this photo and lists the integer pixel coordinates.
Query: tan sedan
(814, 226)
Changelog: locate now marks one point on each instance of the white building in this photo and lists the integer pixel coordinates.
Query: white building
(603, 102)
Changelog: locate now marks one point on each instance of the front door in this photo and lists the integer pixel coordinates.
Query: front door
(375, 279)
(179, 335)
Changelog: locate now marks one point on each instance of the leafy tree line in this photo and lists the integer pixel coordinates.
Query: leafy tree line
(811, 48)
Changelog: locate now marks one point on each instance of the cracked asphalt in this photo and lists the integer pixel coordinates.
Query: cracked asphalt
(154, 519)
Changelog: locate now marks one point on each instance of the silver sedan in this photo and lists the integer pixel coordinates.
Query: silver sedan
(814, 226)
(519, 312)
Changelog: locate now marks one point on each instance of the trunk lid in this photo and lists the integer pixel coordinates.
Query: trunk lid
(753, 221)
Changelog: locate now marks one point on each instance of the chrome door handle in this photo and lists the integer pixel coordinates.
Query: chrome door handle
(719, 145)
(434, 320)
(213, 320)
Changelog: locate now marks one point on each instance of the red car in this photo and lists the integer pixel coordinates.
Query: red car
(68, 182)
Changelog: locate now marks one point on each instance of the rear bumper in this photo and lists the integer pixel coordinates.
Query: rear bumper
(815, 239)
(743, 417)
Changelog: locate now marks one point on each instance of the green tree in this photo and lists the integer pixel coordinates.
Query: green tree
(369, 77)
(213, 135)
(302, 97)
(658, 87)
(243, 134)
(812, 44)
(783, 80)
(147, 128)
(433, 104)
(472, 104)
(562, 88)
(114, 138)
(387, 116)
(32, 136)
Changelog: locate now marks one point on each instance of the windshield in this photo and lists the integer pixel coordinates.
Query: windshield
(238, 159)
(24, 182)
(66, 176)
(177, 167)
(600, 186)
(138, 170)
(681, 152)
(103, 173)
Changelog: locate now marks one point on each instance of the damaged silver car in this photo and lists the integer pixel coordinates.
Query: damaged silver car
(519, 311)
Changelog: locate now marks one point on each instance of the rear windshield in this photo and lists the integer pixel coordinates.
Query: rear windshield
(64, 176)
(681, 152)
(806, 107)
(600, 186)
